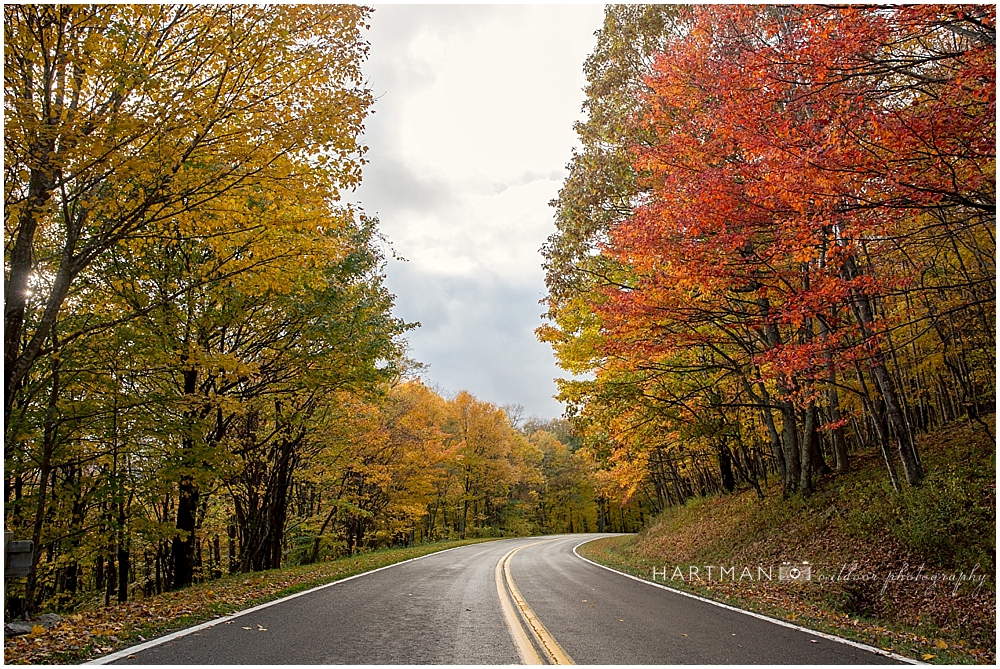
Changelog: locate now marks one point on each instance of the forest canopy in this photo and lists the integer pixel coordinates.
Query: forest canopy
(776, 246)
(203, 374)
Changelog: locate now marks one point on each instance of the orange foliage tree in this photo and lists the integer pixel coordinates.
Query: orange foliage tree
(815, 213)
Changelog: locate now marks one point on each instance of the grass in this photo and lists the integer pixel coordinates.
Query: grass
(943, 528)
(98, 630)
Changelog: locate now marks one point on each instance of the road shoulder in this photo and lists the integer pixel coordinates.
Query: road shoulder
(625, 571)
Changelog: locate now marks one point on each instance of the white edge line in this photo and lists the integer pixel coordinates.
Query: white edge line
(117, 655)
(783, 623)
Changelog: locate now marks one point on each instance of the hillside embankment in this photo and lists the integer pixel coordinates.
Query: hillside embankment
(913, 572)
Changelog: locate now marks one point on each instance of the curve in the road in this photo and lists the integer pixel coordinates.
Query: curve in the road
(599, 617)
(484, 604)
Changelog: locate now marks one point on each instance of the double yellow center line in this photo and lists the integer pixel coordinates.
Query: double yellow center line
(544, 641)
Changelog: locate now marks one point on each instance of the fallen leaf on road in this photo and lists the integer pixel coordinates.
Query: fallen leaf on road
(246, 628)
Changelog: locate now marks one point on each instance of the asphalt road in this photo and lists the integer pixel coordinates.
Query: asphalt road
(446, 608)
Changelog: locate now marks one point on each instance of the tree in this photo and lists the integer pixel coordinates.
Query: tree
(121, 121)
(784, 220)
(197, 144)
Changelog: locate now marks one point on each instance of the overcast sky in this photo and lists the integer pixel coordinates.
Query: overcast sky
(471, 133)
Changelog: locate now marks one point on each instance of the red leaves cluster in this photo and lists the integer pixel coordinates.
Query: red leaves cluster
(795, 146)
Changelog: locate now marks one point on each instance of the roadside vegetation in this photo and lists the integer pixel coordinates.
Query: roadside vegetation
(773, 280)
(744, 284)
(203, 373)
(853, 526)
(97, 630)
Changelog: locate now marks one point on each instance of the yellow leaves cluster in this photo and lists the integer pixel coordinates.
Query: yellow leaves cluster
(182, 106)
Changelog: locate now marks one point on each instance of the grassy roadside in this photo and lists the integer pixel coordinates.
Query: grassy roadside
(99, 630)
(852, 525)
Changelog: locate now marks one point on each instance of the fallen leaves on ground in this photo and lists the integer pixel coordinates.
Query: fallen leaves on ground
(809, 606)
(927, 622)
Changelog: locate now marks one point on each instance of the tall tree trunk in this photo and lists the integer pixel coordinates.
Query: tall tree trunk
(806, 453)
(187, 504)
(818, 459)
(20, 265)
(881, 428)
(841, 459)
(124, 563)
(725, 467)
(278, 507)
(110, 581)
(774, 439)
(789, 439)
(790, 447)
(45, 467)
(231, 544)
(216, 557)
(865, 316)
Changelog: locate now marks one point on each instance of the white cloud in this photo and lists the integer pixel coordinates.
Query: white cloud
(472, 128)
